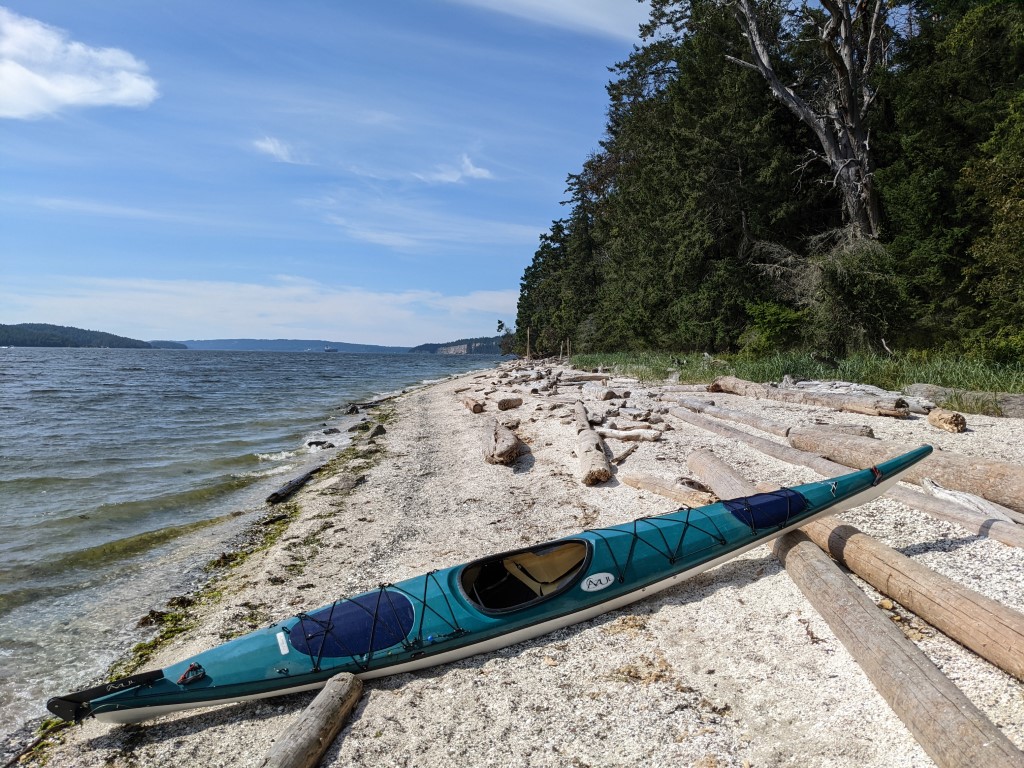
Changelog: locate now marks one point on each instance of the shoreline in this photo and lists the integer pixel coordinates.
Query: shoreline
(733, 666)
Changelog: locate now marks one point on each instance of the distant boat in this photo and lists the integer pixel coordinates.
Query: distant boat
(330, 349)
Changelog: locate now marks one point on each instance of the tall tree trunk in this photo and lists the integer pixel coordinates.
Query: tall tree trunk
(851, 39)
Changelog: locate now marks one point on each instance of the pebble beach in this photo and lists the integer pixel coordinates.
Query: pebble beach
(731, 668)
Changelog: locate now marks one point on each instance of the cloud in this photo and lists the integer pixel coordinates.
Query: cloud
(608, 18)
(448, 174)
(415, 226)
(277, 149)
(43, 71)
(287, 307)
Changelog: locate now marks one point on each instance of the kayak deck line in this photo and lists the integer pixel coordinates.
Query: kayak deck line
(480, 606)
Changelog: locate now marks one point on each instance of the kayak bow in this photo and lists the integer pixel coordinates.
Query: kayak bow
(480, 606)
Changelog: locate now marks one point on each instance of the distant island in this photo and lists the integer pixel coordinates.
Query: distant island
(289, 345)
(46, 335)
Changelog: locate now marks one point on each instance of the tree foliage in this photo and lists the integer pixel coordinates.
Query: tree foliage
(822, 175)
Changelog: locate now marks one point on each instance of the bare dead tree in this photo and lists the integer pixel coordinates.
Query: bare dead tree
(851, 37)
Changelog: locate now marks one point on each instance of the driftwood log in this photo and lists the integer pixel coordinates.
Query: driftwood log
(475, 406)
(507, 403)
(634, 435)
(287, 490)
(767, 425)
(501, 445)
(942, 509)
(305, 742)
(990, 629)
(594, 465)
(669, 490)
(983, 506)
(992, 479)
(894, 407)
(951, 421)
(943, 720)
(940, 717)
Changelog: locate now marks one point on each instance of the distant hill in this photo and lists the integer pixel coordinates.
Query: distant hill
(482, 345)
(44, 335)
(289, 345)
(167, 345)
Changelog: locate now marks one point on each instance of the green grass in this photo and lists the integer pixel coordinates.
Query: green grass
(893, 372)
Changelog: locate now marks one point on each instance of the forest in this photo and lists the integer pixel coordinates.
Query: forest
(838, 176)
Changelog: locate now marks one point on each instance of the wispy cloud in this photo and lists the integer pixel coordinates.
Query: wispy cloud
(608, 18)
(414, 225)
(42, 71)
(108, 210)
(281, 151)
(284, 308)
(453, 174)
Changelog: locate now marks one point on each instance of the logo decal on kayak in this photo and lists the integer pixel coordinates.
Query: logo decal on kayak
(282, 644)
(597, 582)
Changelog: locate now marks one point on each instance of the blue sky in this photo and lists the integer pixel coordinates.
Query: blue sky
(365, 172)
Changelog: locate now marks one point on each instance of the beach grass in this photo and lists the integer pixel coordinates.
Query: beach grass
(892, 372)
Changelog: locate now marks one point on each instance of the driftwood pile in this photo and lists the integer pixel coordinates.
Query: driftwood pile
(982, 495)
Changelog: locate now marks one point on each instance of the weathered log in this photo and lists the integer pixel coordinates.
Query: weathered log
(863, 430)
(291, 487)
(741, 417)
(594, 466)
(580, 377)
(475, 406)
(507, 403)
(647, 435)
(894, 407)
(625, 454)
(951, 421)
(684, 388)
(940, 717)
(985, 626)
(687, 496)
(983, 506)
(969, 519)
(992, 479)
(1005, 404)
(304, 743)
(943, 720)
(501, 446)
(990, 629)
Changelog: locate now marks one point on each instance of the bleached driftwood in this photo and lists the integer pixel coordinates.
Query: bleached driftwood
(894, 407)
(594, 466)
(475, 406)
(304, 742)
(943, 720)
(648, 435)
(501, 445)
(506, 403)
(951, 421)
(992, 479)
(982, 506)
(666, 488)
(849, 388)
(969, 519)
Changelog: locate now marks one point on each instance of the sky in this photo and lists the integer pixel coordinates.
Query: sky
(372, 172)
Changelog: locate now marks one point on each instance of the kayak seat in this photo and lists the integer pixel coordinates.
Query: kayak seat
(547, 572)
(517, 579)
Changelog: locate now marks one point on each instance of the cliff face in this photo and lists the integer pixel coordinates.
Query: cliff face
(480, 346)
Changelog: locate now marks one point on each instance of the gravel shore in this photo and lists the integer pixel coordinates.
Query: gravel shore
(732, 668)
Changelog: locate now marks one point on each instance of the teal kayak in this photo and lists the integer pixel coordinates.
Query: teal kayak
(480, 606)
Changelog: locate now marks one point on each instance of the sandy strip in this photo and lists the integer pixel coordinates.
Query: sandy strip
(733, 668)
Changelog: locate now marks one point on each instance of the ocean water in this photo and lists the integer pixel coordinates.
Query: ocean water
(123, 472)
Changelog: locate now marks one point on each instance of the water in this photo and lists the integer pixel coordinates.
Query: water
(122, 472)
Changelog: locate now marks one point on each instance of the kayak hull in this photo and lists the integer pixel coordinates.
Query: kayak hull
(482, 606)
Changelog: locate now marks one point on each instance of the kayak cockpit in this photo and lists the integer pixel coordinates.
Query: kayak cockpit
(515, 580)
